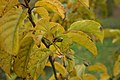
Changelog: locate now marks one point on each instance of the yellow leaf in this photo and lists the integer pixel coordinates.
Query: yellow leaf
(98, 67)
(55, 5)
(80, 69)
(116, 69)
(84, 40)
(21, 61)
(104, 76)
(9, 30)
(75, 78)
(6, 5)
(42, 12)
(5, 61)
(89, 77)
(89, 26)
(85, 3)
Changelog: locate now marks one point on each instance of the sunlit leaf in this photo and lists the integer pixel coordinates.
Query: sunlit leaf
(98, 67)
(6, 5)
(116, 69)
(85, 3)
(89, 77)
(55, 5)
(42, 12)
(89, 26)
(9, 30)
(83, 39)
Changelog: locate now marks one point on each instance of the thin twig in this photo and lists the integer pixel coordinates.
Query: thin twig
(30, 14)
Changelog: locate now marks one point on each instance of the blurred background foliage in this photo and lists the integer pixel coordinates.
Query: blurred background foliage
(107, 12)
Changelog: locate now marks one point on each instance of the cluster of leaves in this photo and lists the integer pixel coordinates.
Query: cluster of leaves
(29, 36)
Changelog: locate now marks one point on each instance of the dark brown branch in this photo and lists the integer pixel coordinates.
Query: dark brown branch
(29, 12)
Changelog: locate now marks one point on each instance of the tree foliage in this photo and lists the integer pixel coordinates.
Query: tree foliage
(34, 37)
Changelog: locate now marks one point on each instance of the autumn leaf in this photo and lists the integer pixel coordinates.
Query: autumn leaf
(6, 5)
(54, 5)
(83, 39)
(85, 3)
(89, 77)
(88, 26)
(9, 30)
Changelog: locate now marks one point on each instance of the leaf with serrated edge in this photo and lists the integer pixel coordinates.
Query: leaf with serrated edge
(6, 5)
(9, 30)
(88, 26)
(84, 40)
(55, 5)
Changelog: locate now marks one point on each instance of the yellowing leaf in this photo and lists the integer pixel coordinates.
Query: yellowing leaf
(80, 69)
(5, 61)
(112, 33)
(37, 61)
(89, 77)
(55, 5)
(75, 78)
(85, 3)
(98, 67)
(116, 69)
(21, 61)
(89, 26)
(84, 40)
(6, 5)
(42, 12)
(9, 30)
(104, 76)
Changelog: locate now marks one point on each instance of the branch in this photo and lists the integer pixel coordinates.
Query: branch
(29, 12)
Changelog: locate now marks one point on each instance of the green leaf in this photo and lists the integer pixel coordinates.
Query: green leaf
(83, 39)
(6, 5)
(75, 78)
(22, 58)
(9, 30)
(89, 26)
(55, 5)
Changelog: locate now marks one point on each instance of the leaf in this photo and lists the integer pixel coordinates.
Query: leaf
(85, 3)
(104, 76)
(75, 78)
(42, 12)
(98, 67)
(80, 69)
(6, 5)
(116, 69)
(83, 39)
(112, 33)
(5, 61)
(88, 26)
(37, 61)
(9, 30)
(55, 5)
(89, 77)
(22, 58)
